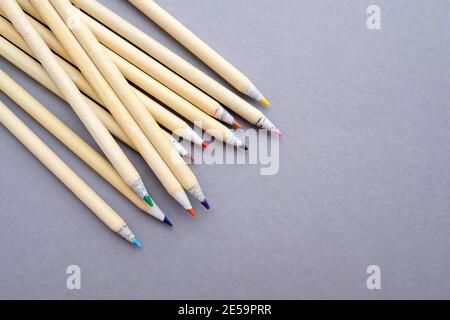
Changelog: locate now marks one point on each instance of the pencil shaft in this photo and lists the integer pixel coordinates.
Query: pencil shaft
(33, 69)
(180, 149)
(69, 178)
(176, 125)
(162, 115)
(164, 56)
(169, 98)
(74, 97)
(128, 97)
(212, 126)
(70, 139)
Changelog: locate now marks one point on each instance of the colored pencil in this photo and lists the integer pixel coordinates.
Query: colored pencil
(164, 117)
(179, 147)
(66, 175)
(35, 70)
(165, 56)
(112, 102)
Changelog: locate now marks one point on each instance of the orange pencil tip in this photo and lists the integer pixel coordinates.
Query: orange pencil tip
(191, 211)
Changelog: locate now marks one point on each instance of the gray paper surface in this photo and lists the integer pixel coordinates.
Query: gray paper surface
(363, 174)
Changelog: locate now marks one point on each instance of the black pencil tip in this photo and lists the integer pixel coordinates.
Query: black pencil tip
(167, 221)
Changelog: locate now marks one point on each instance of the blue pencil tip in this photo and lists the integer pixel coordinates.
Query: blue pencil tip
(136, 242)
(167, 221)
(205, 204)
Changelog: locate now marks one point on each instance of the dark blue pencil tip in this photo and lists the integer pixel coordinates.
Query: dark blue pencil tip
(205, 204)
(136, 242)
(167, 221)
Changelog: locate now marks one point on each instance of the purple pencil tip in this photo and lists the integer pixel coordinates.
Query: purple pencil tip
(168, 222)
(205, 204)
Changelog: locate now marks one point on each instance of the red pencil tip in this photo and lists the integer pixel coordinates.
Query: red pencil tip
(204, 145)
(191, 211)
(190, 157)
(236, 124)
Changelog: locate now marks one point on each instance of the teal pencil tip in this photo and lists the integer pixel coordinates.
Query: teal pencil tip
(148, 200)
(136, 242)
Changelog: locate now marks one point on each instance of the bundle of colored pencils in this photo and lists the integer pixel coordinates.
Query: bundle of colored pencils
(94, 60)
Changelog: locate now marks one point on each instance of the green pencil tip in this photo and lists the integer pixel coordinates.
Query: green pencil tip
(148, 200)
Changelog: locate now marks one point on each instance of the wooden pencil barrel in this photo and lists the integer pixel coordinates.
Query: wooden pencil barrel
(69, 138)
(63, 172)
(70, 92)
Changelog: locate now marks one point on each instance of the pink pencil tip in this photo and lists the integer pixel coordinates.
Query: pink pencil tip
(277, 132)
(204, 145)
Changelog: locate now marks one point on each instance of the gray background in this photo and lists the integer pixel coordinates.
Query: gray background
(364, 174)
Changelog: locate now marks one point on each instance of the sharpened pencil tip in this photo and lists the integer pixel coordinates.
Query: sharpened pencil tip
(205, 204)
(136, 242)
(236, 124)
(244, 147)
(190, 157)
(277, 132)
(168, 222)
(204, 145)
(264, 101)
(191, 211)
(148, 200)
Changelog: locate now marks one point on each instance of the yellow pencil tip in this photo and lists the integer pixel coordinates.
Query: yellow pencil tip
(264, 101)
